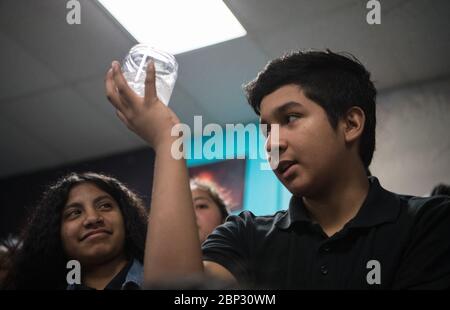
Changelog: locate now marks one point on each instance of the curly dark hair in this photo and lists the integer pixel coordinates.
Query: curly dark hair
(41, 261)
(334, 81)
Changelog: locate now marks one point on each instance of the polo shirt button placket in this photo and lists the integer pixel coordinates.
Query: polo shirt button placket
(324, 269)
(325, 249)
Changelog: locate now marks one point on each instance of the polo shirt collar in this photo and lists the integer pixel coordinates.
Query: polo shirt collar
(380, 206)
(135, 275)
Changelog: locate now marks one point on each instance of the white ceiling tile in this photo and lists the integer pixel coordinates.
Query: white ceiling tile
(260, 16)
(68, 124)
(21, 73)
(70, 51)
(22, 152)
(411, 43)
(214, 77)
(418, 36)
(186, 106)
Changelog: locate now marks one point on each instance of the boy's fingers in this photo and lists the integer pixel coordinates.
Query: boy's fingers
(150, 88)
(125, 92)
(111, 91)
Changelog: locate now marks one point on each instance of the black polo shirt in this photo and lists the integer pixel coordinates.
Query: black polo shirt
(394, 242)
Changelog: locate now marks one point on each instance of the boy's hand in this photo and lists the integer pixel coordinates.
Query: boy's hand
(148, 117)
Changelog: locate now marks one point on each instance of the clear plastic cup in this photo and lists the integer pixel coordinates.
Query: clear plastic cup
(134, 69)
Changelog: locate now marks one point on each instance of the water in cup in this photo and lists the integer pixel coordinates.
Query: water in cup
(134, 69)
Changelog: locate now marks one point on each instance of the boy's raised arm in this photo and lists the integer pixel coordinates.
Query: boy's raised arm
(172, 246)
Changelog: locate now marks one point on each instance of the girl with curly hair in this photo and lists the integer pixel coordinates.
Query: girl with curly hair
(88, 217)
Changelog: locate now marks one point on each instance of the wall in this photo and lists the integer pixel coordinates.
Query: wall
(413, 138)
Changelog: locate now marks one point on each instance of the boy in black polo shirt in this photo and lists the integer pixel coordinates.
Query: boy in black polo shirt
(342, 229)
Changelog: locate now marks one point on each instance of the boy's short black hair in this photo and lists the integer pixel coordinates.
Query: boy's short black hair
(334, 81)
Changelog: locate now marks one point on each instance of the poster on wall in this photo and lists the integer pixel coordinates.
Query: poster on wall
(227, 177)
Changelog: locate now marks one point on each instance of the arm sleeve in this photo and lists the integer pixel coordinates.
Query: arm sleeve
(426, 261)
(230, 246)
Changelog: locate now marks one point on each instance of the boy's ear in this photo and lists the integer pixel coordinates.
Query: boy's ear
(354, 121)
